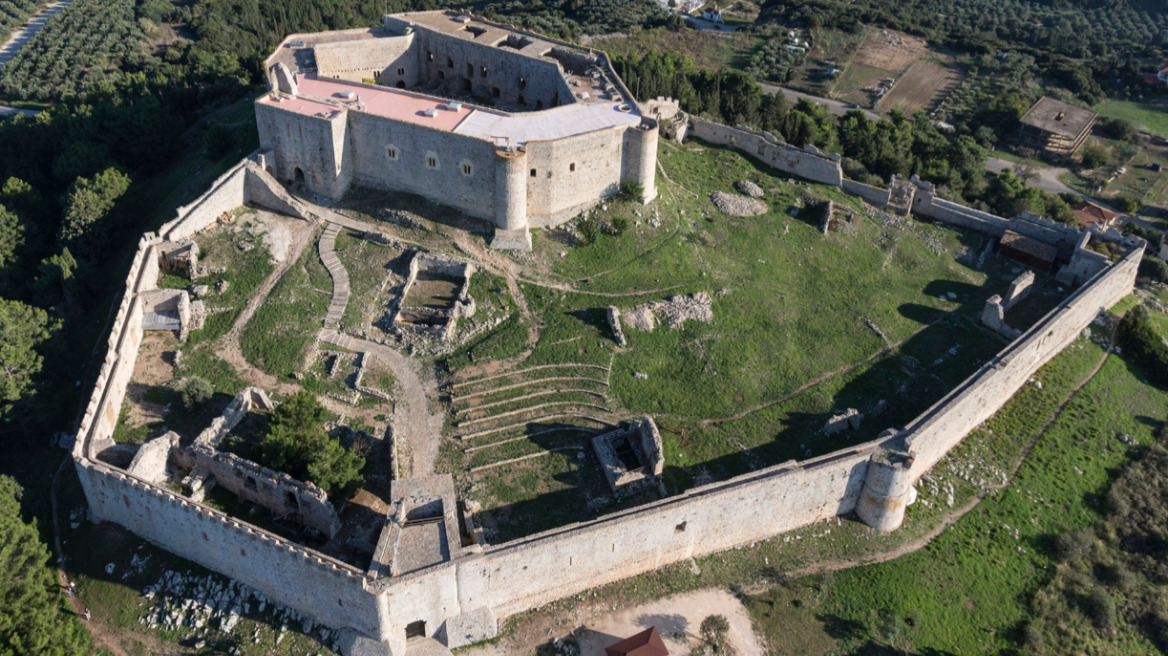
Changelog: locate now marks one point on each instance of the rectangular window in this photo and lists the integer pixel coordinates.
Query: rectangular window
(467, 169)
(533, 173)
(450, 62)
(401, 71)
(391, 152)
(432, 162)
(572, 166)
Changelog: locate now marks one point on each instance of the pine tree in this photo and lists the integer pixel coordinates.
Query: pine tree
(33, 618)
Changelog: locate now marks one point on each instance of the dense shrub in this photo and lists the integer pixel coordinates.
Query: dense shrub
(1143, 345)
(1072, 547)
(1154, 268)
(196, 391)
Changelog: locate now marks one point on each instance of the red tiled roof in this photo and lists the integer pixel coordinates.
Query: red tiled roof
(1090, 214)
(645, 643)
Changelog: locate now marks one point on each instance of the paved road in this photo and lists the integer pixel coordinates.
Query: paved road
(25, 34)
(833, 106)
(5, 110)
(1047, 179)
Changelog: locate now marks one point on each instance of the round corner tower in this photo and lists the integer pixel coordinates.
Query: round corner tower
(640, 163)
(887, 490)
(511, 189)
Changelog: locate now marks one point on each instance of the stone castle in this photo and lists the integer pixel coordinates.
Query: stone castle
(504, 125)
(456, 595)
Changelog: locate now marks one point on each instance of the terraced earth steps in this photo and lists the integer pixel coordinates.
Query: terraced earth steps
(328, 256)
(526, 383)
(510, 461)
(543, 418)
(533, 395)
(541, 367)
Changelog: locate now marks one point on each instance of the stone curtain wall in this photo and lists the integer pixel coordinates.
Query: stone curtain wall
(807, 162)
(875, 195)
(557, 193)
(516, 576)
(943, 426)
(225, 194)
(315, 145)
(307, 581)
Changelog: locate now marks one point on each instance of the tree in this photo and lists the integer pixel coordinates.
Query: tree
(1095, 156)
(196, 391)
(22, 329)
(11, 236)
(715, 630)
(88, 200)
(297, 445)
(33, 621)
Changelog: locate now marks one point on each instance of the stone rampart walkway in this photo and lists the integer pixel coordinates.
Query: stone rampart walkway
(328, 256)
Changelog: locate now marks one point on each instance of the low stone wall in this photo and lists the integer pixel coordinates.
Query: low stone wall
(807, 162)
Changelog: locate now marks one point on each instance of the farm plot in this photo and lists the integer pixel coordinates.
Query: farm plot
(884, 54)
(923, 86)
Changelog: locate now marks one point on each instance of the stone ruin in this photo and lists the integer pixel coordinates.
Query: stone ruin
(850, 418)
(631, 456)
(674, 312)
(419, 310)
(171, 310)
(201, 467)
(422, 527)
(180, 258)
(361, 362)
(994, 313)
(901, 194)
(736, 205)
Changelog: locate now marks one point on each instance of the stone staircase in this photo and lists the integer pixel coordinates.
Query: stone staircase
(328, 256)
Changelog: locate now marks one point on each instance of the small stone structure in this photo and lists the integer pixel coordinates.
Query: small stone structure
(180, 258)
(614, 323)
(248, 399)
(848, 419)
(631, 456)
(429, 319)
(172, 310)
(994, 313)
(736, 205)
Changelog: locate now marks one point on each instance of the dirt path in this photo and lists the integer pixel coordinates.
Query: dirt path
(228, 346)
(416, 429)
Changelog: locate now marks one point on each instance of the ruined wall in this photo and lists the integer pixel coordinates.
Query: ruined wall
(275, 491)
(226, 193)
(305, 580)
(875, 195)
(807, 162)
(943, 426)
(927, 204)
(572, 174)
(313, 145)
(386, 60)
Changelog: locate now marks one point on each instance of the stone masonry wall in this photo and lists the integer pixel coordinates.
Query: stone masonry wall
(875, 195)
(807, 162)
(370, 137)
(943, 426)
(378, 59)
(302, 579)
(225, 194)
(313, 144)
(572, 174)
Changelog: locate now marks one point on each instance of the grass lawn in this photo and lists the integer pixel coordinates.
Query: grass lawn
(1151, 117)
(286, 324)
(967, 591)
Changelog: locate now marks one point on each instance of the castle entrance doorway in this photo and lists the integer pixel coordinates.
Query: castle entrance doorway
(298, 176)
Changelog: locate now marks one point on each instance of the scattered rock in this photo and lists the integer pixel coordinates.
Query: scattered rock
(749, 188)
(221, 286)
(199, 291)
(109, 568)
(245, 246)
(736, 205)
(640, 376)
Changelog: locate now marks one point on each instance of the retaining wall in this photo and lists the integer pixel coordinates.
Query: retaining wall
(874, 195)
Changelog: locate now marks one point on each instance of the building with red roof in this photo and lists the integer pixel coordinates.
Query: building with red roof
(645, 643)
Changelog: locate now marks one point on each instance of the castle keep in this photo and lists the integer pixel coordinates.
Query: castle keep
(513, 128)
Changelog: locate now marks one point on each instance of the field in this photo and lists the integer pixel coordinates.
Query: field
(884, 54)
(924, 85)
(1151, 117)
(830, 49)
(877, 316)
